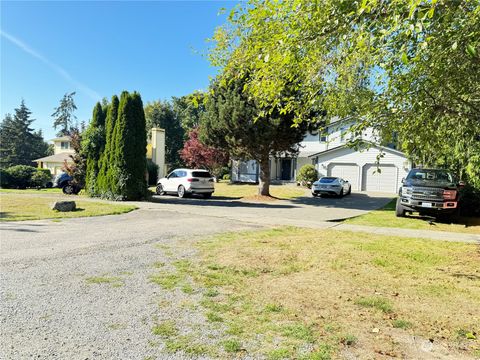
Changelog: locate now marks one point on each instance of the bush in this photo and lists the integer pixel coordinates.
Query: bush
(4, 178)
(307, 175)
(152, 169)
(226, 177)
(41, 178)
(21, 176)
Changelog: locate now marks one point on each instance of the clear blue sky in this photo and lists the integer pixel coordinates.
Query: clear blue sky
(101, 48)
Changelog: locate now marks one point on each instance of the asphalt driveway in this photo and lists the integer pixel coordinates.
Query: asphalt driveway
(80, 288)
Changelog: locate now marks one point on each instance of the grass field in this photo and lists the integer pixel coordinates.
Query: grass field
(226, 189)
(385, 217)
(14, 207)
(308, 294)
(32, 191)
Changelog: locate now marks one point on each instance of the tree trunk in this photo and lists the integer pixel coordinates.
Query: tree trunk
(264, 183)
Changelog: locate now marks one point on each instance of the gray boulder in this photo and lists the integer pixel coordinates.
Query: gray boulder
(64, 205)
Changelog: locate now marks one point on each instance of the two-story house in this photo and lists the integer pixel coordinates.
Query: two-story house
(329, 152)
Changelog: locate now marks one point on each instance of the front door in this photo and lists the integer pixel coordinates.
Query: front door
(286, 173)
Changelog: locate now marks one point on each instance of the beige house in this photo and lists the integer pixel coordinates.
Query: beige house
(63, 149)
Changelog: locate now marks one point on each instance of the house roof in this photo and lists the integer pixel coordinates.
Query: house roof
(346, 146)
(62, 138)
(60, 157)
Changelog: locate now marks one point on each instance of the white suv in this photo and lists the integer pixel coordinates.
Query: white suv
(184, 182)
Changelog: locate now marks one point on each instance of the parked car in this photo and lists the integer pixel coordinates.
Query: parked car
(64, 182)
(432, 192)
(185, 182)
(331, 186)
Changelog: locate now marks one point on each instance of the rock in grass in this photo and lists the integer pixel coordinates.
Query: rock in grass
(64, 206)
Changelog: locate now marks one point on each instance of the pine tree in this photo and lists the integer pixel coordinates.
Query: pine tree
(93, 144)
(19, 144)
(63, 115)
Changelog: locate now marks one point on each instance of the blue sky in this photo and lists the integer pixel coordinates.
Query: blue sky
(101, 48)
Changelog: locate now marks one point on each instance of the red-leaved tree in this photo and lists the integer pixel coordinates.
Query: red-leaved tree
(195, 154)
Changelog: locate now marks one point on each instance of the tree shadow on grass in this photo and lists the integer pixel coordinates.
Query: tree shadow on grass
(220, 201)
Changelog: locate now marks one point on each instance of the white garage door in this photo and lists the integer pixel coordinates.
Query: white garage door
(346, 171)
(383, 181)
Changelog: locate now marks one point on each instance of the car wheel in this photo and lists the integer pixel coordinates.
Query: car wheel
(68, 189)
(181, 191)
(159, 190)
(349, 190)
(207, 195)
(399, 209)
(341, 193)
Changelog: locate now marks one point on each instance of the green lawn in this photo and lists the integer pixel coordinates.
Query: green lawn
(32, 191)
(309, 294)
(385, 217)
(229, 190)
(14, 207)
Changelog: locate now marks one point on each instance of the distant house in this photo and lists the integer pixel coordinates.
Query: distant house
(63, 149)
(329, 153)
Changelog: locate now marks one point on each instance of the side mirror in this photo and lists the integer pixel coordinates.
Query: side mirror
(403, 180)
(346, 181)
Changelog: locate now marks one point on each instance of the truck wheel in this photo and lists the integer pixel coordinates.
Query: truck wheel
(399, 209)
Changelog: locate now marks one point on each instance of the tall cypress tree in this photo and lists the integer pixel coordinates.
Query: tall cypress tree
(130, 148)
(106, 176)
(94, 145)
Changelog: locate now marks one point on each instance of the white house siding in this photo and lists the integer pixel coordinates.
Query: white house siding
(360, 167)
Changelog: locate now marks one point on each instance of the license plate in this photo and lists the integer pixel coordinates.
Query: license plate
(427, 205)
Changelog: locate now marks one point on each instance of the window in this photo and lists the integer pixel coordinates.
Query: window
(65, 145)
(343, 133)
(201, 174)
(323, 137)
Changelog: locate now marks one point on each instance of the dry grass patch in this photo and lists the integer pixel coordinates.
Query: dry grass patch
(14, 207)
(250, 191)
(313, 294)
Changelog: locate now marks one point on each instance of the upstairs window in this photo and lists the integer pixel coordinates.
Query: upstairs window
(343, 134)
(323, 137)
(65, 145)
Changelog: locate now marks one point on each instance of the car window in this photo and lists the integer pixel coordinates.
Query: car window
(327, 180)
(201, 174)
(181, 173)
(172, 175)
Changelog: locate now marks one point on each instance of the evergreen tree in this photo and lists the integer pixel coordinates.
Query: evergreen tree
(93, 144)
(63, 115)
(19, 144)
(106, 176)
(234, 121)
(130, 148)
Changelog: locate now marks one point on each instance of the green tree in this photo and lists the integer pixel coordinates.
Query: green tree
(189, 110)
(19, 143)
(404, 67)
(107, 173)
(234, 122)
(63, 116)
(161, 114)
(130, 148)
(93, 144)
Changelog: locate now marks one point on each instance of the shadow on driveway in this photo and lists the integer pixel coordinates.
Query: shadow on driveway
(219, 201)
(358, 201)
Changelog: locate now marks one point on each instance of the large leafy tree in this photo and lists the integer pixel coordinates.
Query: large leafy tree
(63, 115)
(405, 67)
(189, 110)
(161, 114)
(235, 123)
(198, 155)
(19, 143)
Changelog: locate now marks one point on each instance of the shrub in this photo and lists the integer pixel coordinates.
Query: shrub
(226, 177)
(307, 175)
(470, 201)
(41, 178)
(21, 176)
(4, 178)
(152, 169)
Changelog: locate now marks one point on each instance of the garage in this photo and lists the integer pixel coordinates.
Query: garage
(348, 172)
(384, 180)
